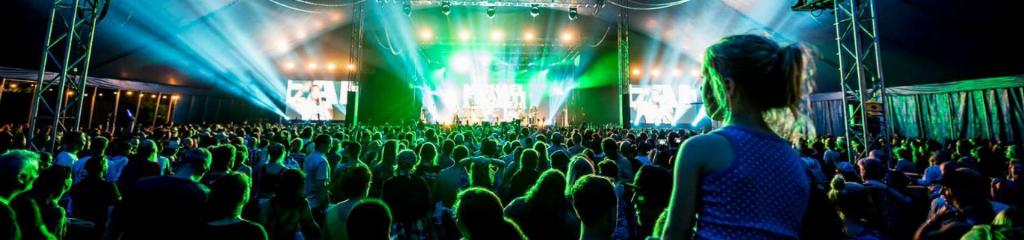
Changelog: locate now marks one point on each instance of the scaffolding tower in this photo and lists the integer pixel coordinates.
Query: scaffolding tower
(860, 69)
(355, 56)
(68, 46)
(622, 50)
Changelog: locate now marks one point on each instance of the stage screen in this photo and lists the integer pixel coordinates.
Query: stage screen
(317, 100)
(660, 104)
(471, 87)
(477, 103)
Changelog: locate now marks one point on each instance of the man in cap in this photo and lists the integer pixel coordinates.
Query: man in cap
(652, 188)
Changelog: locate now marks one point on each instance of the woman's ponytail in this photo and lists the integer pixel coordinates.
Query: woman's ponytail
(789, 62)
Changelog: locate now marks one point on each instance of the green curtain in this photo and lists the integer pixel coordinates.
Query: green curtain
(996, 114)
(990, 108)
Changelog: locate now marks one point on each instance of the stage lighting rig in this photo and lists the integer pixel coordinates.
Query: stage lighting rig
(446, 8)
(573, 13)
(534, 10)
(490, 11)
(407, 8)
(813, 5)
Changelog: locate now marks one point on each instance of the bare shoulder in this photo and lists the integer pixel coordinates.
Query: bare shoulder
(709, 152)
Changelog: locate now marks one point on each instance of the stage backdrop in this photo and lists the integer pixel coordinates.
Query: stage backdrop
(991, 108)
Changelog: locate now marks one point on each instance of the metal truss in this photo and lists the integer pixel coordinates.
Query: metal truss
(622, 37)
(68, 46)
(510, 3)
(860, 70)
(356, 56)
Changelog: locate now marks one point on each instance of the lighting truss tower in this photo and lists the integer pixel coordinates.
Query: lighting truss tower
(355, 55)
(860, 70)
(68, 45)
(622, 37)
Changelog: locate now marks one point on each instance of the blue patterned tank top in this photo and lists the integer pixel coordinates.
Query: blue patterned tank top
(762, 194)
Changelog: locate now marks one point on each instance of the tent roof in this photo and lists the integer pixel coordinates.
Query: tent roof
(922, 41)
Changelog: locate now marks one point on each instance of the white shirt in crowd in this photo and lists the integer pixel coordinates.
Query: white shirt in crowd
(317, 172)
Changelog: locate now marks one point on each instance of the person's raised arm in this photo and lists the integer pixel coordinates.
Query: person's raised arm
(693, 160)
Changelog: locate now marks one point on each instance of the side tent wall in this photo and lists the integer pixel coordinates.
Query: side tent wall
(991, 108)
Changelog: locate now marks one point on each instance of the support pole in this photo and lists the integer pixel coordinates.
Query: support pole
(136, 115)
(170, 106)
(3, 87)
(156, 109)
(92, 106)
(117, 104)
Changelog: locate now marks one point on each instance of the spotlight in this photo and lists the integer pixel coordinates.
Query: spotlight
(14, 85)
(573, 13)
(497, 35)
(446, 8)
(311, 66)
(175, 97)
(164, 97)
(426, 35)
(490, 11)
(152, 96)
(676, 72)
(407, 8)
(464, 35)
(655, 72)
(335, 16)
(567, 37)
(289, 66)
(70, 93)
(300, 34)
(331, 66)
(636, 72)
(129, 93)
(282, 45)
(529, 36)
(351, 66)
(534, 10)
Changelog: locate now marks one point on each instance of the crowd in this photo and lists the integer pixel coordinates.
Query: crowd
(747, 180)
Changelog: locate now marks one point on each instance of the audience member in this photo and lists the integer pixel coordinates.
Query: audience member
(479, 215)
(224, 208)
(594, 200)
(180, 197)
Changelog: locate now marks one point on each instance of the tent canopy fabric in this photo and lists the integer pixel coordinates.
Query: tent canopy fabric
(922, 41)
(107, 83)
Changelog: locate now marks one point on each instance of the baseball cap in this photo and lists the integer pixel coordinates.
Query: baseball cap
(653, 180)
